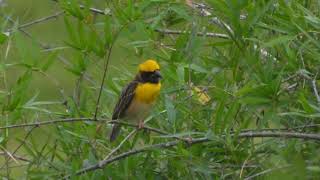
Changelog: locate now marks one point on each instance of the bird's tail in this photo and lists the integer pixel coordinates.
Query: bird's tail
(115, 132)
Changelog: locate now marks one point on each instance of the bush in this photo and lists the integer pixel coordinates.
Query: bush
(239, 97)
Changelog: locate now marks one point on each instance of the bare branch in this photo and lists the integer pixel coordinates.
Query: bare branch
(42, 123)
(41, 20)
(315, 90)
(20, 145)
(15, 156)
(254, 134)
(98, 11)
(284, 129)
(105, 71)
(121, 143)
(209, 34)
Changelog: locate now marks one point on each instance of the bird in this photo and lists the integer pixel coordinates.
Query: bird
(138, 97)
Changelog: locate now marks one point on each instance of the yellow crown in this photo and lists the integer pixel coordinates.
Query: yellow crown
(149, 66)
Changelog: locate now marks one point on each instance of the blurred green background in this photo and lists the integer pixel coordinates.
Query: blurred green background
(258, 77)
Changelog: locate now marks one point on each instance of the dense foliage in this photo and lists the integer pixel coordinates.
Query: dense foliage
(230, 67)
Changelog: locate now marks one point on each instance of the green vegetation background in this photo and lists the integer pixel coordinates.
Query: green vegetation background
(262, 74)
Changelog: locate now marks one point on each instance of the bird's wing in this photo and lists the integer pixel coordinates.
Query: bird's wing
(124, 101)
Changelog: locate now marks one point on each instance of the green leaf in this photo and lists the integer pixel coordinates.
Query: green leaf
(278, 40)
(305, 104)
(1, 139)
(171, 112)
(198, 68)
(313, 168)
(218, 119)
(108, 34)
(255, 100)
(180, 11)
(49, 61)
(3, 37)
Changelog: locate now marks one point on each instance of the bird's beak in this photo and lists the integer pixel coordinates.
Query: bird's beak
(158, 74)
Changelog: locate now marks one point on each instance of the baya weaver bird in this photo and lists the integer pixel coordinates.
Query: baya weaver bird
(138, 97)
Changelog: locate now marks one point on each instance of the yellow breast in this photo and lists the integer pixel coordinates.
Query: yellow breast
(147, 92)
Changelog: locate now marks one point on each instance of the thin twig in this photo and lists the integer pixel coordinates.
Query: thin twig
(121, 143)
(98, 11)
(105, 71)
(315, 90)
(280, 135)
(103, 80)
(265, 172)
(209, 34)
(243, 166)
(15, 156)
(43, 19)
(20, 145)
(8, 154)
(42, 123)
(283, 129)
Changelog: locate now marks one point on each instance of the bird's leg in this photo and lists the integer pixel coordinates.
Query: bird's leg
(189, 140)
(98, 128)
(141, 124)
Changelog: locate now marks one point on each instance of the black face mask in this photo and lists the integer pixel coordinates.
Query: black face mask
(151, 77)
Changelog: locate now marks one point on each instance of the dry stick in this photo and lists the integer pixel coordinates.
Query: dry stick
(98, 11)
(313, 84)
(119, 146)
(20, 145)
(38, 124)
(209, 34)
(166, 145)
(280, 135)
(103, 80)
(283, 129)
(106, 70)
(41, 20)
(315, 90)
(243, 166)
(6, 153)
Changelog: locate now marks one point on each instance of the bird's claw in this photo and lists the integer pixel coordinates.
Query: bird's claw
(188, 140)
(141, 125)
